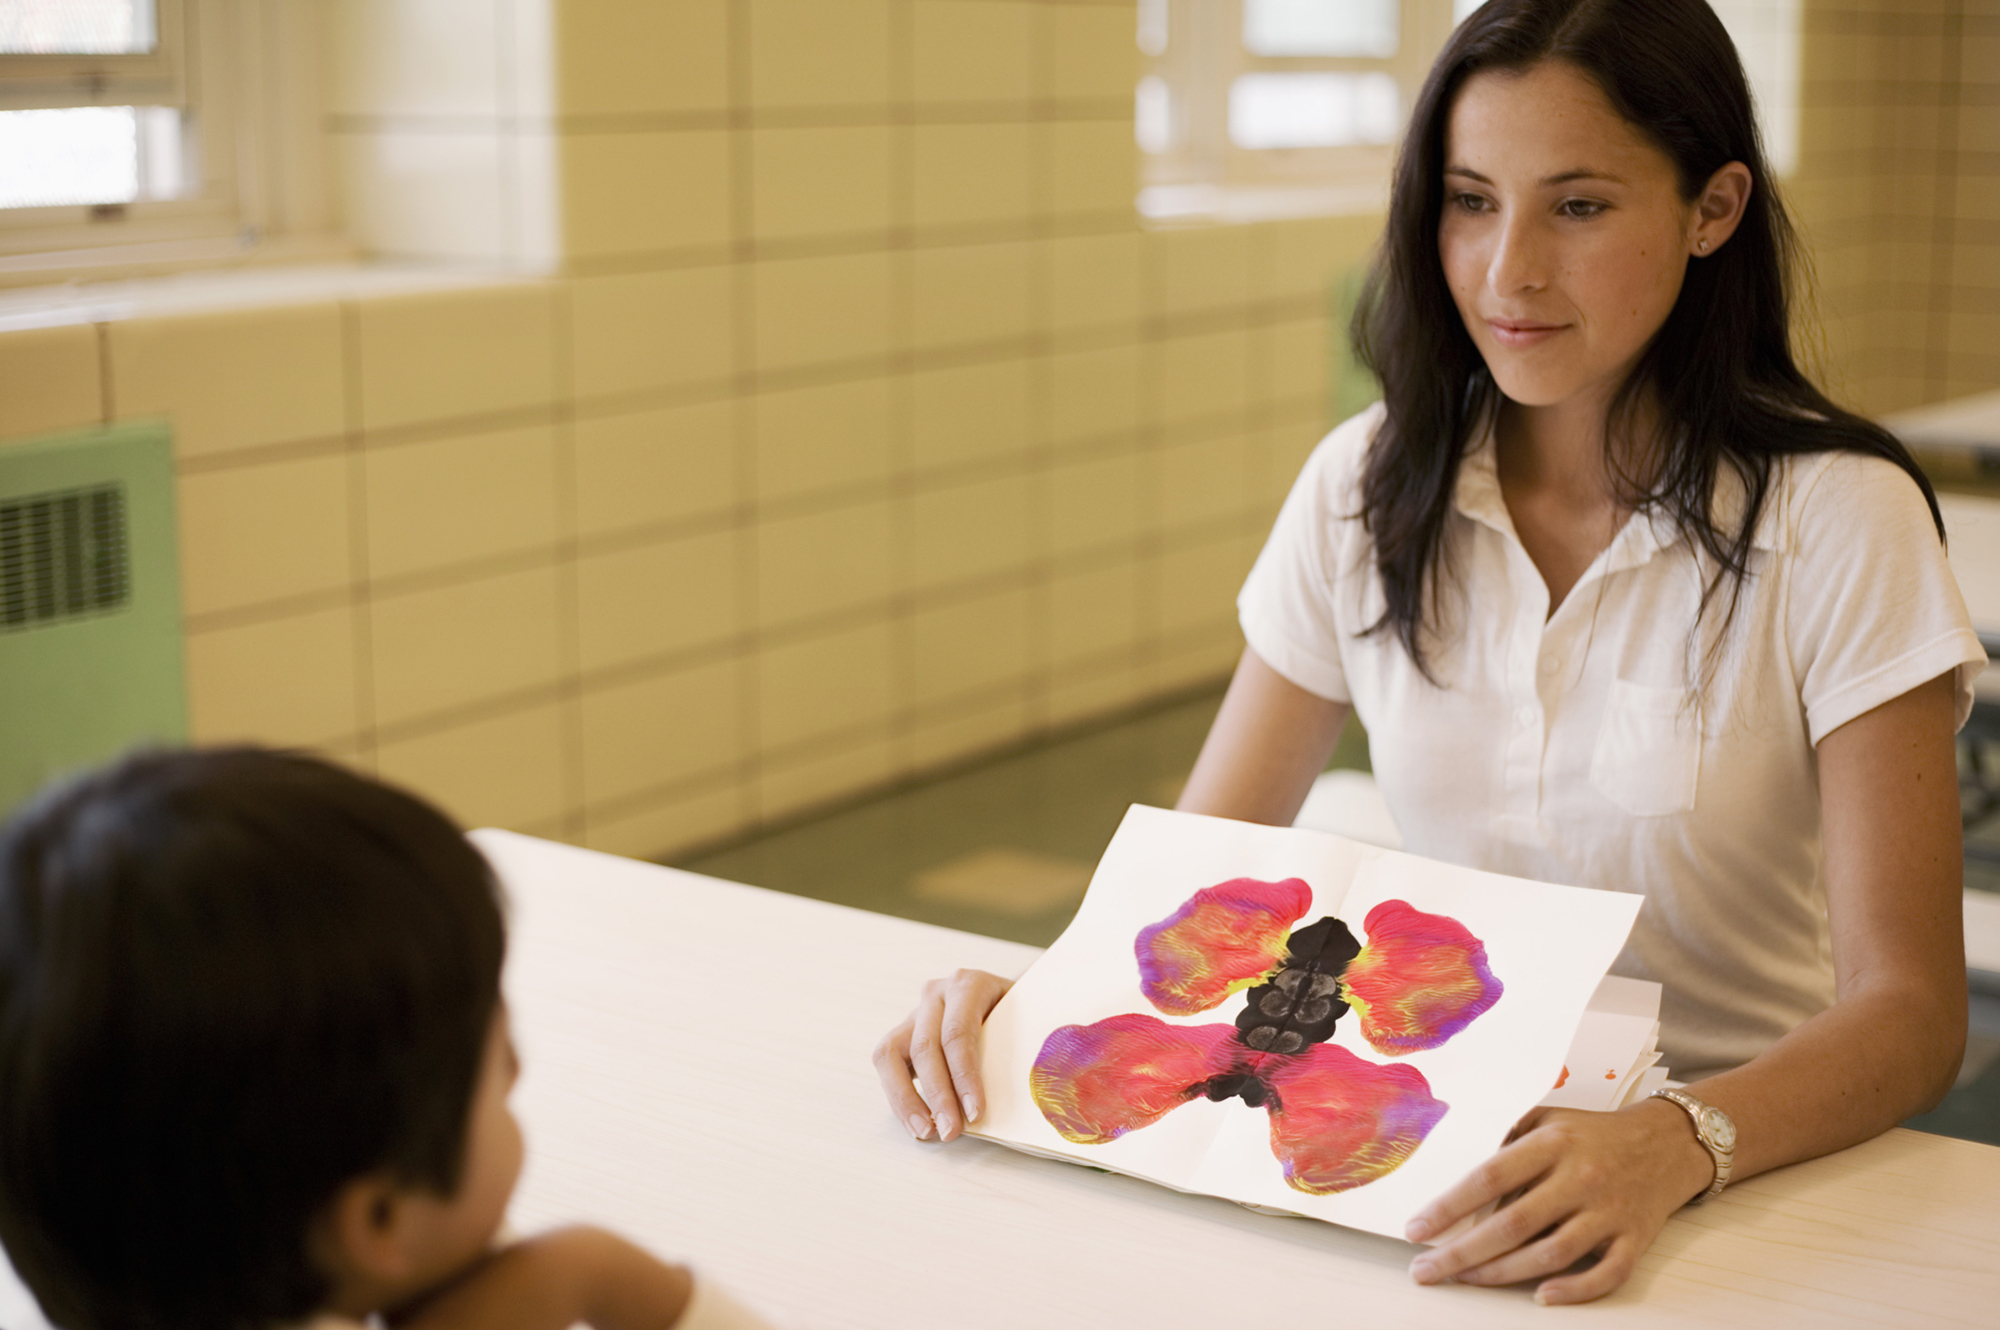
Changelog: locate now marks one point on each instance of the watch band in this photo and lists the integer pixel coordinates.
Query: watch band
(1713, 1129)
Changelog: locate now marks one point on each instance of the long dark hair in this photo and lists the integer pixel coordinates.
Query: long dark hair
(1720, 369)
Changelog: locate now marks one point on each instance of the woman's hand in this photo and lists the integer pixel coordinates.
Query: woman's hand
(938, 1048)
(1581, 1184)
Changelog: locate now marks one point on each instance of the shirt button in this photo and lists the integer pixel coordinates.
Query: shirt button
(1550, 664)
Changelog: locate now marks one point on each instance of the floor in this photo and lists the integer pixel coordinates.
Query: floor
(1005, 848)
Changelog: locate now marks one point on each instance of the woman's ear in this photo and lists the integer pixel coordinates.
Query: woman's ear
(1719, 208)
(362, 1243)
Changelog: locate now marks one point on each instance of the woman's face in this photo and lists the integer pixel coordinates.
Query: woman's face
(1564, 235)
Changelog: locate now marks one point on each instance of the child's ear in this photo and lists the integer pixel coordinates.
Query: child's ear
(362, 1240)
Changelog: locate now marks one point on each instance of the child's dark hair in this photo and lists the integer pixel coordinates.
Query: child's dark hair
(230, 981)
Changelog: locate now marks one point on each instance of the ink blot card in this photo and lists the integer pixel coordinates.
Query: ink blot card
(1294, 1020)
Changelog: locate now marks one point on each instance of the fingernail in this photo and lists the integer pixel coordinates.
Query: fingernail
(1423, 1271)
(1417, 1230)
(971, 1108)
(1544, 1298)
(920, 1126)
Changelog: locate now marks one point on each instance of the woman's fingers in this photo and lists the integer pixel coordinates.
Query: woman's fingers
(929, 1065)
(927, 1060)
(1513, 1168)
(968, 1000)
(1550, 1254)
(1506, 1230)
(892, 1066)
(1614, 1267)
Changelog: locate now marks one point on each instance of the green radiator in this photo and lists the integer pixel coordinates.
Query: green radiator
(90, 616)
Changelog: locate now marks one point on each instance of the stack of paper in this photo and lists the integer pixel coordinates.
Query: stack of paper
(1614, 1058)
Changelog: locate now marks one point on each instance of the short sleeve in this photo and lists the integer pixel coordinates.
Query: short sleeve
(1873, 609)
(1288, 608)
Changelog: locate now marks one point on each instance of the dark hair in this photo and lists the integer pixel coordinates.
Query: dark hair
(1721, 368)
(230, 981)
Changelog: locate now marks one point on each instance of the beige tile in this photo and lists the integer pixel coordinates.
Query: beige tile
(660, 598)
(639, 192)
(1095, 55)
(449, 501)
(824, 685)
(1201, 267)
(968, 531)
(795, 786)
(640, 331)
(1099, 688)
(1095, 280)
(652, 732)
(393, 58)
(429, 194)
(823, 563)
(456, 645)
(1202, 481)
(506, 771)
(1289, 447)
(826, 437)
(1203, 376)
(625, 59)
(52, 380)
(1092, 166)
(655, 466)
(1094, 503)
(263, 533)
(973, 51)
(971, 173)
(944, 740)
(1093, 394)
(813, 311)
(454, 353)
(819, 52)
(1093, 612)
(969, 646)
(968, 413)
(661, 832)
(235, 379)
(286, 681)
(1300, 357)
(820, 181)
(1198, 583)
(970, 293)
(1003, 880)
(1200, 656)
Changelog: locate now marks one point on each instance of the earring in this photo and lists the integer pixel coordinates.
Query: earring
(1701, 245)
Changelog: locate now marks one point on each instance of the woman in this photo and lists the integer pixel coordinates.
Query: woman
(1624, 602)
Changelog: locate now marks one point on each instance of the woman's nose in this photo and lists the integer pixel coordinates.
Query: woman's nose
(1519, 262)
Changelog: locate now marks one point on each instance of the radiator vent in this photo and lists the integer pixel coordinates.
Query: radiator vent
(62, 556)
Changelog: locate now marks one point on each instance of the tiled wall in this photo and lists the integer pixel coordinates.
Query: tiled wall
(862, 431)
(1899, 188)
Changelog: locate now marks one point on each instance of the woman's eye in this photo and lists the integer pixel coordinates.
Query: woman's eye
(1468, 202)
(1580, 207)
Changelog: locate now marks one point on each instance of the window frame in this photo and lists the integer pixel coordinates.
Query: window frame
(244, 75)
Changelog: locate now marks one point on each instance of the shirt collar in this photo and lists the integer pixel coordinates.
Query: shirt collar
(1477, 495)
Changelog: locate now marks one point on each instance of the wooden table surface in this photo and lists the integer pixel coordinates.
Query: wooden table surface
(696, 1075)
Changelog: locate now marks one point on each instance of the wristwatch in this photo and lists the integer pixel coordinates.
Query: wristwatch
(1714, 1130)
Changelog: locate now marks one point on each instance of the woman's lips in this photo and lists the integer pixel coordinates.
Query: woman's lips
(1523, 332)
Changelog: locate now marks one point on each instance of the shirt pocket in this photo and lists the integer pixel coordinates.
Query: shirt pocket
(1648, 754)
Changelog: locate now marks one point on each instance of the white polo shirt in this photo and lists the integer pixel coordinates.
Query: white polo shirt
(1586, 748)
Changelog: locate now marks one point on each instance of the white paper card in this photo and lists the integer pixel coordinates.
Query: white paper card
(1546, 946)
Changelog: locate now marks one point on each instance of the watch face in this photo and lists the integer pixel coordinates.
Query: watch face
(1716, 1125)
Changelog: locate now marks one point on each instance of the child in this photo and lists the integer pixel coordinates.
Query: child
(254, 1066)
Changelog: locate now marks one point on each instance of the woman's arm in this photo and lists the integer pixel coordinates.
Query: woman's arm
(1889, 1046)
(1269, 740)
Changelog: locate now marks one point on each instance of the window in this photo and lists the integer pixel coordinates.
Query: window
(137, 135)
(1254, 109)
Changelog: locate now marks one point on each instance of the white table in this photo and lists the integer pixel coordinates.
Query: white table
(696, 1075)
(1964, 424)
